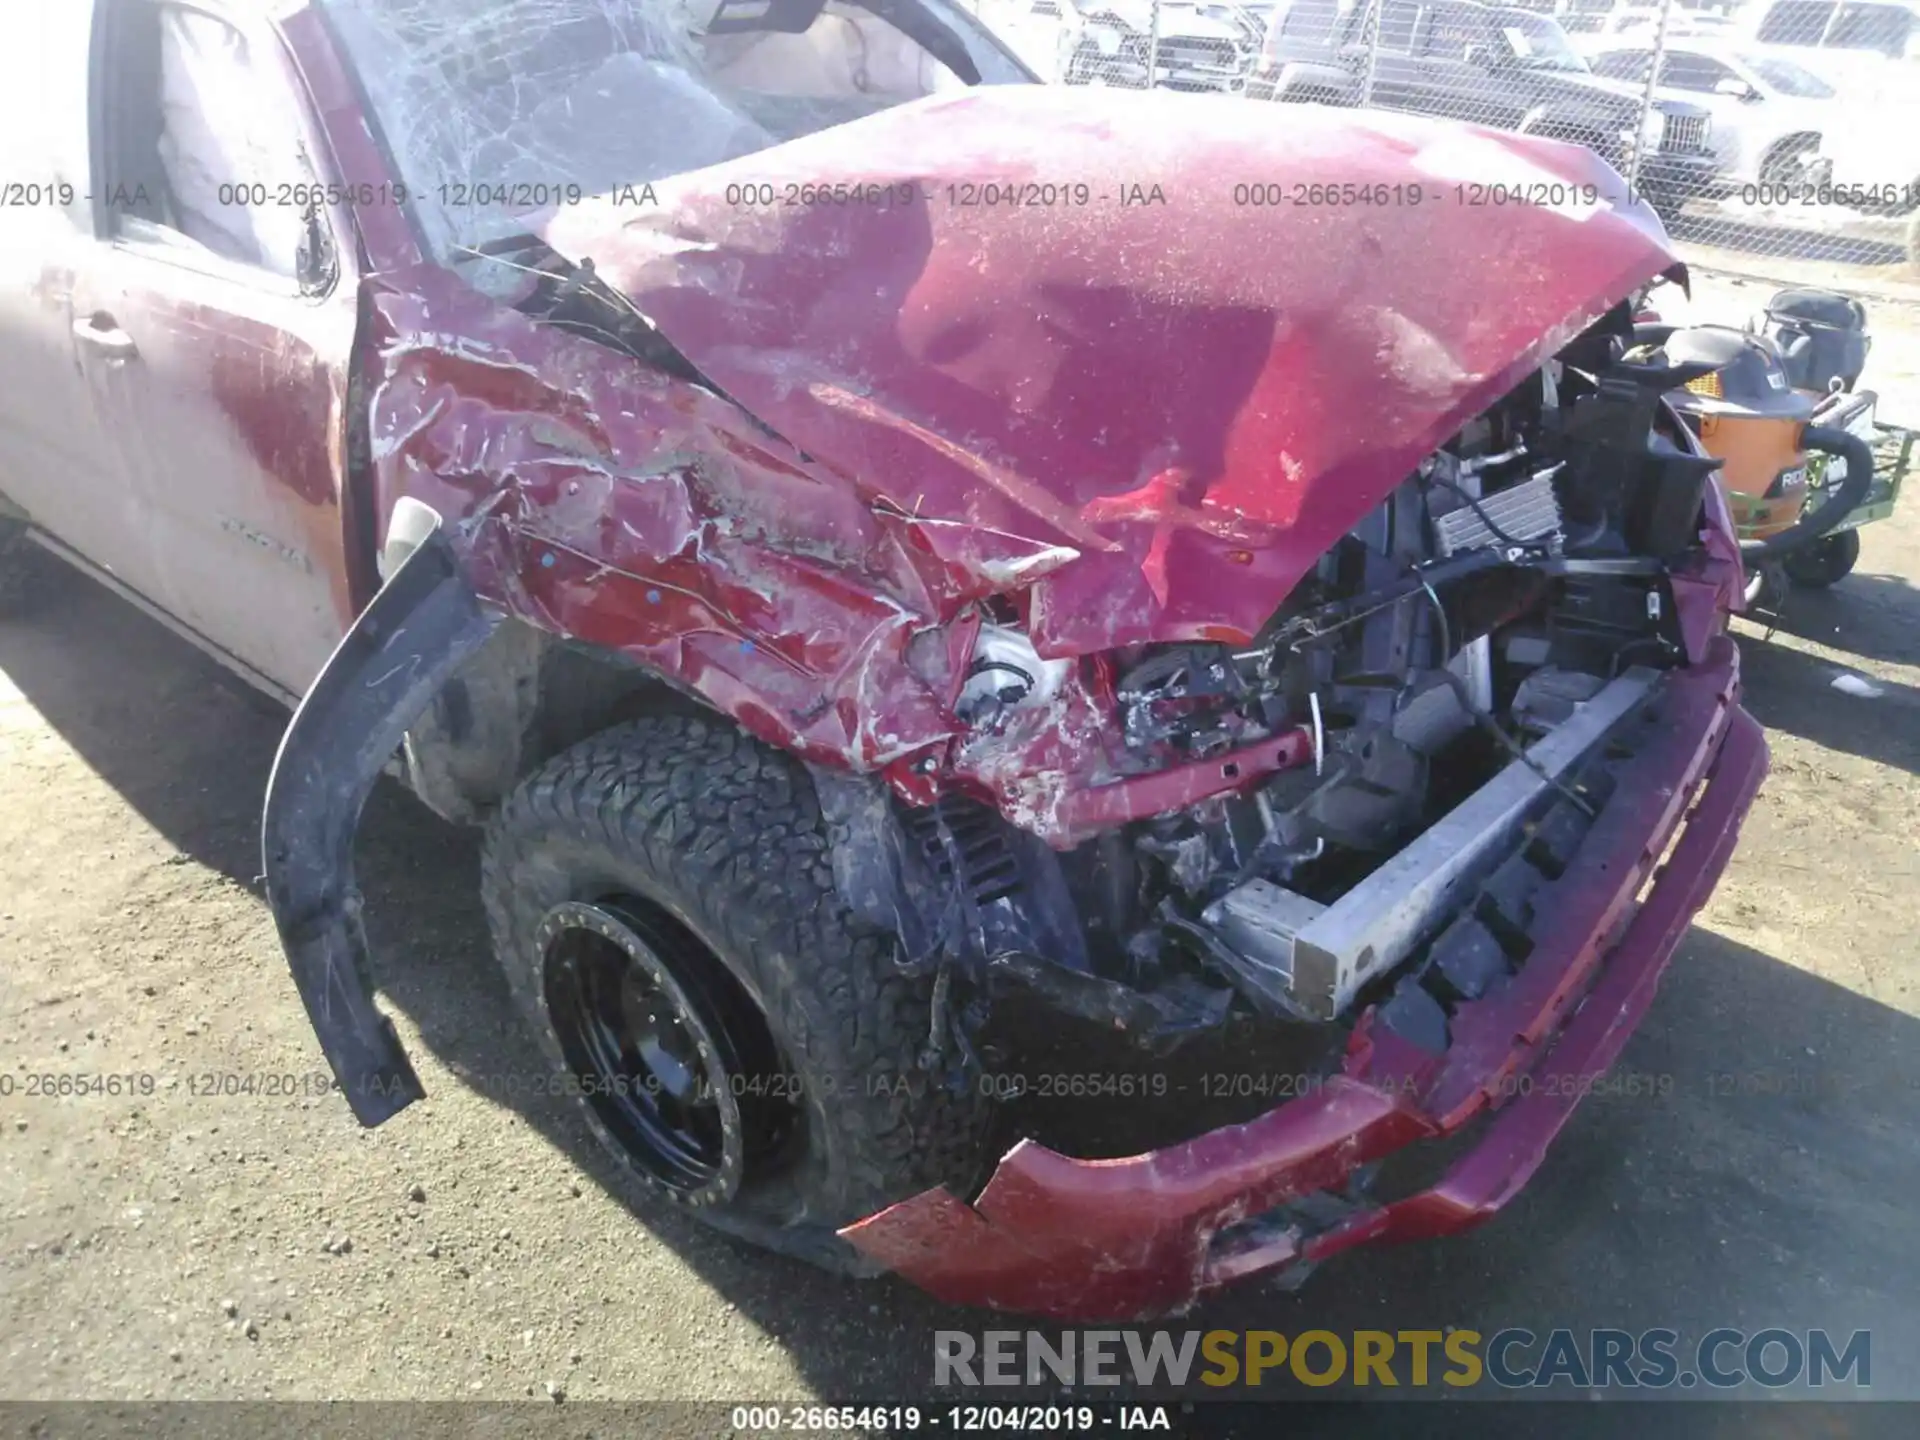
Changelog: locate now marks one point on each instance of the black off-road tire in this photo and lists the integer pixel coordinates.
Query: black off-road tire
(1825, 562)
(1785, 163)
(725, 835)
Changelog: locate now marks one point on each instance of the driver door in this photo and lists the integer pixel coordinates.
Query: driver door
(216, 315)
(56, 461)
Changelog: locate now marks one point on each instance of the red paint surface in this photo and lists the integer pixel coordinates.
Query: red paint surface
(1088, 812)
(1155, 385)
(1137, 421)
(1133, 1238)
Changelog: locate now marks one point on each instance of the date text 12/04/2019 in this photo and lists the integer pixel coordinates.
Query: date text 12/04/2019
(758, 1420)
(957, 195)
(141, 1084)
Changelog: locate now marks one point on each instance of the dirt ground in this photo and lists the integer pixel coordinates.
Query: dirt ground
(187, 1244)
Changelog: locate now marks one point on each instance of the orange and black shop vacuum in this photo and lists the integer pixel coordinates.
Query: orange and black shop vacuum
(1768, 403)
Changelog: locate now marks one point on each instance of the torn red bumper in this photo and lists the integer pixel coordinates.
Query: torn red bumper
(1143, 1236)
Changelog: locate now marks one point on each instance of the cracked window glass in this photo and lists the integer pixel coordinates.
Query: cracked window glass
(493, 109)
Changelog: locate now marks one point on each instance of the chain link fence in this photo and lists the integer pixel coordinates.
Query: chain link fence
(1777, 138)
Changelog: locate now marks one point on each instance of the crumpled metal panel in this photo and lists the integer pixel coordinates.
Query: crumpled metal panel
(1144, 418)
(1130, 1239)
(1144, 1235)
(599, 499)
(1197, 394)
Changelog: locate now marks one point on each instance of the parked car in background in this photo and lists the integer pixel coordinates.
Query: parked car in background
(1874, 159)
(1865, 50)
(1703, 23)
(1616, 17)
(1579, 19)
(1643, 24)
(1620, 22)
(1201, 45)
(1499, 66)
(1768, 112)
(1860, 46)
(1879, 27)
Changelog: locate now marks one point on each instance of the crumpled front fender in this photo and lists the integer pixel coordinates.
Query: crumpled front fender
(425, 621)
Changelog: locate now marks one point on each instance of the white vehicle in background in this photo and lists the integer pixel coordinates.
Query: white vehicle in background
(1621, 17)
(1869, 51)
(1872, 144)
(1641, 23)
(1200, 45)
(1769, 113)
(1885, 28)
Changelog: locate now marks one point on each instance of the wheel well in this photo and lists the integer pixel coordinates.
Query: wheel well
(522, 699)
(1787, 144)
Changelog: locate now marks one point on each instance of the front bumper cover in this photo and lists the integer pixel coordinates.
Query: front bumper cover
(1148, 1235)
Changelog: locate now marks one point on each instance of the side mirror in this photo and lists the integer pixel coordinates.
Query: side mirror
(1736, 87)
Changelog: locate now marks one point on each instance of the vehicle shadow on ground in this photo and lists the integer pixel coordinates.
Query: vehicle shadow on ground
(1758, 1175)
(1876, 617)
(1790, 690)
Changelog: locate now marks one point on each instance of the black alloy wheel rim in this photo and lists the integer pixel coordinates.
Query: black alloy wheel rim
(665, 1047)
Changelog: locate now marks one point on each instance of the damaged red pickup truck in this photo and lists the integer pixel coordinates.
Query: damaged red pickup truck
(883, 545)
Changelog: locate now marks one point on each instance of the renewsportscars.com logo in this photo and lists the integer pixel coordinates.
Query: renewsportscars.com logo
(1513, 1359)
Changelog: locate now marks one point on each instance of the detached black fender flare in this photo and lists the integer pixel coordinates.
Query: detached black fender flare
(425, 622)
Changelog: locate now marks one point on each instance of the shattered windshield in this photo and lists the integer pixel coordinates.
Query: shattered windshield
(493, 109)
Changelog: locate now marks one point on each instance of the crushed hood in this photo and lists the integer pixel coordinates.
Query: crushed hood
(1062, 316)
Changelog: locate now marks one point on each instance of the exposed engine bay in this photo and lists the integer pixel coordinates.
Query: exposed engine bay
(1443, 696)
(1430, 700)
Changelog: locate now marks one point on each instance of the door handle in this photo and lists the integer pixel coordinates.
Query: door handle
(101, 332)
